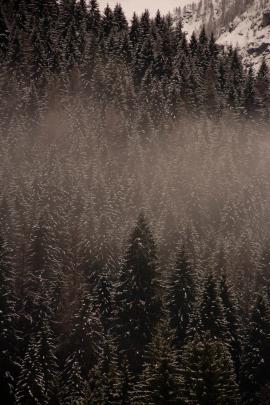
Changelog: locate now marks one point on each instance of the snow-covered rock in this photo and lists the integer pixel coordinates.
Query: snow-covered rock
(250, 33)
(244, 24)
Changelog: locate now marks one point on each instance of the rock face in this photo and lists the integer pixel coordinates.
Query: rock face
(266, 18)
(244, 25)
(259, 50)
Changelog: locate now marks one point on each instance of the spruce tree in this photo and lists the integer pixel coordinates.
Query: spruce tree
(234, 326)
(107, 22)
(181, 295)
(39, 368)
(9, 335)
(249, 95)
(127, 381)
(134, 31)
(263, 271)
(255, 365)
(103, 300)
(160, 380)
(94, 18)
(137, 295)
(208, 373)
(86, 340)
(104, 383)
(120, 21)
(73, 387)
(31, 382)
(262, 84)
(209, 316)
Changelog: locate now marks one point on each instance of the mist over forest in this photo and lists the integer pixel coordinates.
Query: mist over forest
(134, 211)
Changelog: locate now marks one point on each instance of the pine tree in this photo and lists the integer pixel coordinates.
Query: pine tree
(120, 21)
(37, 381)
(235, 81)
(73, 388)
(145, 25)
(31, 383)
(126, 383)
(249, 95)
(143, 60)
(35, 285)
(48, 360)
(160, 380)
(262, 89)
(213, 48)
(107, 22)
(263, 272)
(208, 373)
(137, 301)
(94, 18)
(209, 316)
(232, 318)
(9, 336)
(103, 300)
(181, 295)
(193, 45)
(86, 340)
(255, 365)
(104, 381)
(134, 32)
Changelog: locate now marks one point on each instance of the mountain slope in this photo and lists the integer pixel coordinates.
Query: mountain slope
(244, 24)
(250, 33)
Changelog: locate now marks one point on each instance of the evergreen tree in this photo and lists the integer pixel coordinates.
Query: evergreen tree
(262, 89)
(249, 95)
(104, 381)
(256, 355)
(160, 380)
(73, 388)
(209, 316)
(137, 301)
(181, 295)
(120, 22)
(103, 300)
(38, 371)
(145, 25)
(134, 32)
(233, 322)
(9, 336)
(31, 384)
(208, 373)
(193, 45)
(126, 383)
(263, 271)
(86, 340)
(144, 59)
(94, 18)
(107, 22)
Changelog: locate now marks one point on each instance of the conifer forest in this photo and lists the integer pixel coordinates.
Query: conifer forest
(134, 211)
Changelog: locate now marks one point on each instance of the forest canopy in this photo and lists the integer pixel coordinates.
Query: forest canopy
(134, 211)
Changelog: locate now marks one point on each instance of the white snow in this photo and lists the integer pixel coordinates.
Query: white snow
(245, 31)
(249, 36)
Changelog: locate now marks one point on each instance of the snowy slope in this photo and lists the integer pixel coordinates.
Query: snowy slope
(237, 23)
(213, 14)
(248, 34)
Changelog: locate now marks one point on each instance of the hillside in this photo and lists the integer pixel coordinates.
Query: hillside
(250, 33)
(241, 24)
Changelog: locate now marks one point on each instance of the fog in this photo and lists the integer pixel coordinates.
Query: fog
(202, 182)
(139, 6)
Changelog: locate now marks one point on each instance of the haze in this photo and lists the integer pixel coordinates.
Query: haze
(140, 5)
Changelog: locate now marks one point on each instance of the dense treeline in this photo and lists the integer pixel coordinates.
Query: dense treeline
(136, 339)
(108, 126)
(147, 68)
